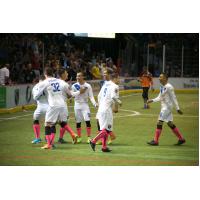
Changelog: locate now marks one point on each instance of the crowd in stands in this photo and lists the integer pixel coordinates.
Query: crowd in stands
(26, 55)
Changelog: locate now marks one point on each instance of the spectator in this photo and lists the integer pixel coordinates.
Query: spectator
(30, 75)
(4, 74)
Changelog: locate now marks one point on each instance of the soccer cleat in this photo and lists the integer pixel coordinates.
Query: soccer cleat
(106, 150)
(74, 139)
(36, 141)
(153, 143)
(61, 141)
(88, 140)
(79, 140)
(46, 146)
(180, 142)
(92, 145)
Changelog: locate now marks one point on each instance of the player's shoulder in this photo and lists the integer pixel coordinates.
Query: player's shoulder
(169, 86)
(87, 85)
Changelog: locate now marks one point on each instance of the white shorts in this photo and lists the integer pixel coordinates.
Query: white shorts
(40, 110)
(55, 114)
(82, 114)
(165, 115)
(105, 120)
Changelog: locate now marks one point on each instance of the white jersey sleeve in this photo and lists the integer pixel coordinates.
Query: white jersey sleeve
(158, 98)
(173, 97)
(91, 96)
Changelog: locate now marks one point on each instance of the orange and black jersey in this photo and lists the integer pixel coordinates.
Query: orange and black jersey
(146, 79)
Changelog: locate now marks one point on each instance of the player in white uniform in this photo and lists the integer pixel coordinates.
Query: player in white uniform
(167, 98)
(108, 96)
(81, 107)
(42, 105)
(63, 75)
(57, 110)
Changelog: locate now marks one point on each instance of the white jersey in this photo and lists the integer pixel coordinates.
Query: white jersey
(82, 99)
(42, 100)
(55, 89)
(167, 97)
(107, 94)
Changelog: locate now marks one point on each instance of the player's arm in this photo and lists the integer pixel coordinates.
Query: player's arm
(158, 98)
(115, 96)
(174, 100)
(91, 96)
(39, 92)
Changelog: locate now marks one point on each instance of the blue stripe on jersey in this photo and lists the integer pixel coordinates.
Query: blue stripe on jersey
(77, 86)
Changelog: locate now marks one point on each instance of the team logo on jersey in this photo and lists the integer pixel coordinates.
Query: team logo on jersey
(89, 115)
(77, 86)
(116, 91)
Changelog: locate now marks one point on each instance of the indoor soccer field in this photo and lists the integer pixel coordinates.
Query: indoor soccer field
(133, 126)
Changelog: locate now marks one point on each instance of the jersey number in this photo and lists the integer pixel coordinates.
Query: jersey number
(104, 92)
(55, 87)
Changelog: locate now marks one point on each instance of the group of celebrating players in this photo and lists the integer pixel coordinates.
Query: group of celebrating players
(51, 95)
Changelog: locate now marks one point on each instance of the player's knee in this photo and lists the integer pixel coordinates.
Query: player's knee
(78, 125)
(63, 124)
(36, 122)
(53, 129)
(159, 124)
(47, 130)
(88, 124)
(171, 124)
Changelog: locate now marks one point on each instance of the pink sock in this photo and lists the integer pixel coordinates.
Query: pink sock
(36, 129)
(88, 129)
(62, 132)
(177, 133)
(79, 132)
(104, 142)
(100, 135)
(69, 130)
(52, 138)
(157, 134)
(48, 138)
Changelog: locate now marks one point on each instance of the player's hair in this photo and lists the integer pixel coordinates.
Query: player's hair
(48, 71)
(42, 77)
(165, 75)
(61, 71)
(113, 75)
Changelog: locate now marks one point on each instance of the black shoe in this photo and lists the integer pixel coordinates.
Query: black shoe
(180, 142)
(92, 145)
(61, 141)
(153, 143)
(106, 150)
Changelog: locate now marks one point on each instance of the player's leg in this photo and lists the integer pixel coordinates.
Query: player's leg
(98, 128)
(51, 118)
(86, 115)
(145, 96)
(157, 134)
(79, 118)
(176, 131)
(105, 126)
(36, 126)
